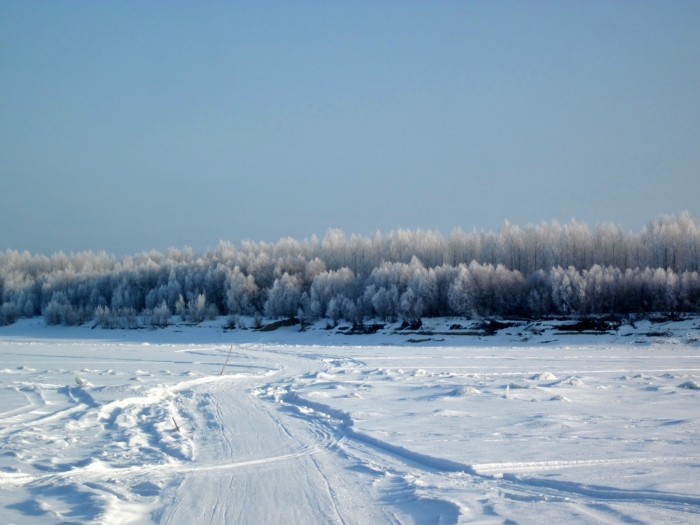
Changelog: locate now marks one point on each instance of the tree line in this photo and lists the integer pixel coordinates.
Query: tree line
(536, 270)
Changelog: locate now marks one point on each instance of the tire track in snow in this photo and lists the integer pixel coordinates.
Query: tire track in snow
(501, 468)
(564, 489)
(346, 424)
(605, 493)
(97, 471)
(422, 508)
(33, 399)
(300, 483)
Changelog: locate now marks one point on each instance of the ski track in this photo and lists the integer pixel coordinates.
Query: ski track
(347, 434)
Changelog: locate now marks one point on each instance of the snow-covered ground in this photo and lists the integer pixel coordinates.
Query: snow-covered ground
(529, 425)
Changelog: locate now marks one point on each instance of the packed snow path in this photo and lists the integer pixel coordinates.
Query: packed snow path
(259, 465)
(147, 430)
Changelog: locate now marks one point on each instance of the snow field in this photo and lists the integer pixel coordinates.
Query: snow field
(312, 428)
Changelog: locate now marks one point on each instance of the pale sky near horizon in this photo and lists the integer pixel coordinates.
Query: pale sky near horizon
(130, 126)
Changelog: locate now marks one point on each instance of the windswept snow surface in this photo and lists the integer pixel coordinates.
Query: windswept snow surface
(142, 426)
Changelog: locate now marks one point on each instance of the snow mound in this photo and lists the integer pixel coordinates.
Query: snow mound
(82, 382)
(447, 413)
(354, 395)
(323, 376)
(463, 391)
(573, 381)
(519, 385)
(560, 398)
(544, 376)
(692, 385)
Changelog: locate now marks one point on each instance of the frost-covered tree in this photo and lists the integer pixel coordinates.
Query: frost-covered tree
(602, 289)
(161, 315)
(411, 305)
(385, 302)
(284, 297)
(539, 299)
(60, 311)
(198, 309)
(568, 290)
(181, 307)
(8, 313)
(329, 284)
(464, 274)
(334, 310)
(242, 293)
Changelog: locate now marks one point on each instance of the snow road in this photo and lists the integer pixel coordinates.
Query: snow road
(267, 467)
(143, 427)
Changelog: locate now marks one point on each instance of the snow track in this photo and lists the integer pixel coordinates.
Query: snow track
(285, 472)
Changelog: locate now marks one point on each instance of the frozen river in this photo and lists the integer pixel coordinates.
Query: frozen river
(145, 426)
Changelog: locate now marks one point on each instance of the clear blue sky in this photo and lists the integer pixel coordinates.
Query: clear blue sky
(127, 126)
